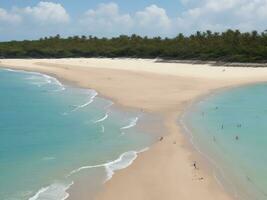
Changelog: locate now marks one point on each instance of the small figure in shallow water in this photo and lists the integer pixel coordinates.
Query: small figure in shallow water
(236, 137)
(222, 126)
(161, 138)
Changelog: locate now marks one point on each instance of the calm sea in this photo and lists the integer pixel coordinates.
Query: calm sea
(51, 135)
(230, 129)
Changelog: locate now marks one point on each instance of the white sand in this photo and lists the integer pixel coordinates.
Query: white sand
(165, 171)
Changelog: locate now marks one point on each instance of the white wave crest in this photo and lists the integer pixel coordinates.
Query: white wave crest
(102, 119)
(56, 191)
(52, 80)
(94, 94)
(10, 70)
(36, 78)
(132, 123)
(124, 161)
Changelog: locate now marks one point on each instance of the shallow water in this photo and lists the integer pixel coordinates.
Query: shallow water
(52, 134)
(230, 129)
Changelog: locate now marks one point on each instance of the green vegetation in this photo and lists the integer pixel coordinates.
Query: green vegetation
(231, 46)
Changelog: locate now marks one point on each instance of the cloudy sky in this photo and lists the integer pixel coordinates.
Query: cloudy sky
(31, 19)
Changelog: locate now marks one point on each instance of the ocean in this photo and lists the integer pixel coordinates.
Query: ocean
(229, 128)
(54, 135)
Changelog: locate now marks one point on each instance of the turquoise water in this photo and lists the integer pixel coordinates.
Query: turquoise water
(49, 133)
(230, 128)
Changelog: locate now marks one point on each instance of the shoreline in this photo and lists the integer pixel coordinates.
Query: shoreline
(161, 150)
(108, 165)
(220, 176)
(208, 162)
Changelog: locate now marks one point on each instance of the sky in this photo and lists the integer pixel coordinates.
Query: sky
(32, 19)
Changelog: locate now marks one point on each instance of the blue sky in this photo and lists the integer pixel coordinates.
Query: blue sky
(77, 7)
(32, 19)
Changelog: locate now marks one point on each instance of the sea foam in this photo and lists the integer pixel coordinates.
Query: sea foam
(56, 191)
(40, 79)
(124, 161)
(132, 123)
(91, 99)
(102, 119)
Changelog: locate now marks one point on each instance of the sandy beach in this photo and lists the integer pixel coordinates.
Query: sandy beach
(166, 171)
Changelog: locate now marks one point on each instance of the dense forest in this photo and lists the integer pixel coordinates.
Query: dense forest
(228, 46)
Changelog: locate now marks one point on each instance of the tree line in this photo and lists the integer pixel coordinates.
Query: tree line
(228, 46)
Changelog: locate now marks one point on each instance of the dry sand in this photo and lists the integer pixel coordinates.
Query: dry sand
(166, 171)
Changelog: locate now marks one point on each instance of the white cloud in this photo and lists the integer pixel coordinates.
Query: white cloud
(9, 17)
(42, 13)
(200, 15)
(43, 19)
(153, 16)
(106, 18)
(45, 12)
(224, 14)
